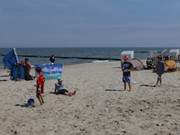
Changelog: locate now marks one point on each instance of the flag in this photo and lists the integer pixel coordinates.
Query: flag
(10, 59)
(51, 71)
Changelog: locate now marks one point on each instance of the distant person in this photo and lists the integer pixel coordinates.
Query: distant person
(159, 69)
(59, 89)
(27, 69)
(40, 85)
(126, 68)
(52, 59)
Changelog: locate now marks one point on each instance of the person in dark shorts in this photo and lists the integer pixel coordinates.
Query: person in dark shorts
(159, 69)
(59, 89)
(126, 67)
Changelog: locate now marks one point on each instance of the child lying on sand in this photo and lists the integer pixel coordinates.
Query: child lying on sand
(59, 89)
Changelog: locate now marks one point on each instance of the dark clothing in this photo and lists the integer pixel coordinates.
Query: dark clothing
(59, 89)
(52, 59)
(38, 93)
(27, 75)
(160, 68)
(63, 91)
(126, 79)
(126, 66)
(27, 68)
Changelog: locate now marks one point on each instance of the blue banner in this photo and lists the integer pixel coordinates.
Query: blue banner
(51, 71)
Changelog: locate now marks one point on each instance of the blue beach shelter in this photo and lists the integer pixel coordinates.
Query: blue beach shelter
(10, 59)
(11, 62)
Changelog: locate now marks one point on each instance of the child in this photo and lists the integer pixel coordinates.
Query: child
(160, 68)
(126, 66)
(59, 89)
(40, 85)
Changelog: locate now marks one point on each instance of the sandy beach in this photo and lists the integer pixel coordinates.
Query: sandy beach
(100, 107)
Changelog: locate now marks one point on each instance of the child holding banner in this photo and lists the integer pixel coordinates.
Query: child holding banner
(40, 85)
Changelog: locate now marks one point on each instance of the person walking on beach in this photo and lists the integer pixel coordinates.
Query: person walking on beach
(126, 67)
(40, 85)
(159, 69)
(52, 59)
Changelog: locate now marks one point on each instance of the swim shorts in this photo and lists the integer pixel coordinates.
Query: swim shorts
(126, 79)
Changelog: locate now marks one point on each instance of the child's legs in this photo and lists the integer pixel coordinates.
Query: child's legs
(124, 81)
(127, 79)
(124, 85)
(129, 82)
(42, 88)
(160, 79)
(40, 100)
(39, 97)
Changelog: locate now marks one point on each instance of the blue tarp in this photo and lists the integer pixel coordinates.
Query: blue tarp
(10, 59)
(51, 71)
(17, 72)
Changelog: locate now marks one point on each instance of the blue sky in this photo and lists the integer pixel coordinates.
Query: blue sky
(73, 23)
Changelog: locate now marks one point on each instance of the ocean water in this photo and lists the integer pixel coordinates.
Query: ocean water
(141, 53)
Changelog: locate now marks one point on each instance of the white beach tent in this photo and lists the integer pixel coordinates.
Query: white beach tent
(175, 52)
(130, 54)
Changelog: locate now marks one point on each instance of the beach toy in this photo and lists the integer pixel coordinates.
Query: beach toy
(30, 102)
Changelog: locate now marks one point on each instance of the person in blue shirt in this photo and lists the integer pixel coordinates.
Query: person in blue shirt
(59, 89)
(126, 68)
(159, 69)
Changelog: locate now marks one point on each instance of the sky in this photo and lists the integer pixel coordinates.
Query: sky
(89, 23)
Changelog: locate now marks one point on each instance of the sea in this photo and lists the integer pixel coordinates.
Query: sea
(73, 55)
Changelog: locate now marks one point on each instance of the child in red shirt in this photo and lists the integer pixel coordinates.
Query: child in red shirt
(40, 85)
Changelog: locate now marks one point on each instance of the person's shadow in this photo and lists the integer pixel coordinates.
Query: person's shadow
(147, 85)
(114, 90)
(22, 105)
(30, 103)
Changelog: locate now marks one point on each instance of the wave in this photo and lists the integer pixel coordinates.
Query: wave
(100, 61)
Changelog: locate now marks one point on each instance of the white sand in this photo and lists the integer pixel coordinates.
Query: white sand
(100, 107)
